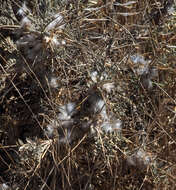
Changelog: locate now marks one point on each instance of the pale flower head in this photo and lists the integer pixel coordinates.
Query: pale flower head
(112, 126)
(94, 76)
(26, 23)
(99, 105)
(58, 18)
(54, 42)
(108, 87)
(23, 11)
(117, 125)
(106, 126)
(141, 66)
(49, 131)
(4, 186)
(53, 82)
(66, 111)
(139, 159)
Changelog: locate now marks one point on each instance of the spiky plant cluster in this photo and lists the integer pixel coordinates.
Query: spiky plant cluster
(87, 95)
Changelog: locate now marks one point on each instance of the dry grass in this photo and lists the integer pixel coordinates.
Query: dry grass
(43, 69)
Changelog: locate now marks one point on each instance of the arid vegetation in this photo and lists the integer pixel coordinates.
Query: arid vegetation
(87, 95)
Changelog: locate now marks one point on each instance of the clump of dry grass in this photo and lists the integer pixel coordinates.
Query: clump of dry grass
(87, 95)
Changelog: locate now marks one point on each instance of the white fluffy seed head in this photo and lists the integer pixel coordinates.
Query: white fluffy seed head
(108, 87)
(26, 23)
(53, 82)
(66, 111)
(136, 59)
(63, 42)
(142, 69)
(49, 130)
(140, 64)
(23, 11)
(114, 126)
(117, 125)
(107, 127)
(125, 4)
(70, 107)
(100, 104)
(103, 113)
(104, 76)
(100, 107)
(63, 115)
(94, 76)
(58, 18)
(54, 42)
(139, 159)
(4, 187)
(171, 10)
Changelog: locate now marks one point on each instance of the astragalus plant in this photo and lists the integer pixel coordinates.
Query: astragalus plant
(87, 94)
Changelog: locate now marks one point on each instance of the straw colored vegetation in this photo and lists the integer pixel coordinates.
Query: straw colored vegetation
(87, 95)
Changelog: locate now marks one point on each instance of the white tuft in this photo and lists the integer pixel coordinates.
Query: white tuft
(55, 42)
(47, 39)
(54, 82)
(108, 87)
(66, 111)
(58, 16)
(142, 66)
(100, 107)
(63, 115)
(125, 4)
(107, 127)
(103, 113)
(23, 11)
(142, 69)
(4, 187)
(114, 126)
(117, 125)
(140, 159)
(94, 76)
(55, 23)
(63, 42)
(140, 153)
(70, 107)
(137, 59)
(104, 76)
(49, 130)
(25, 22)
(171, 10)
